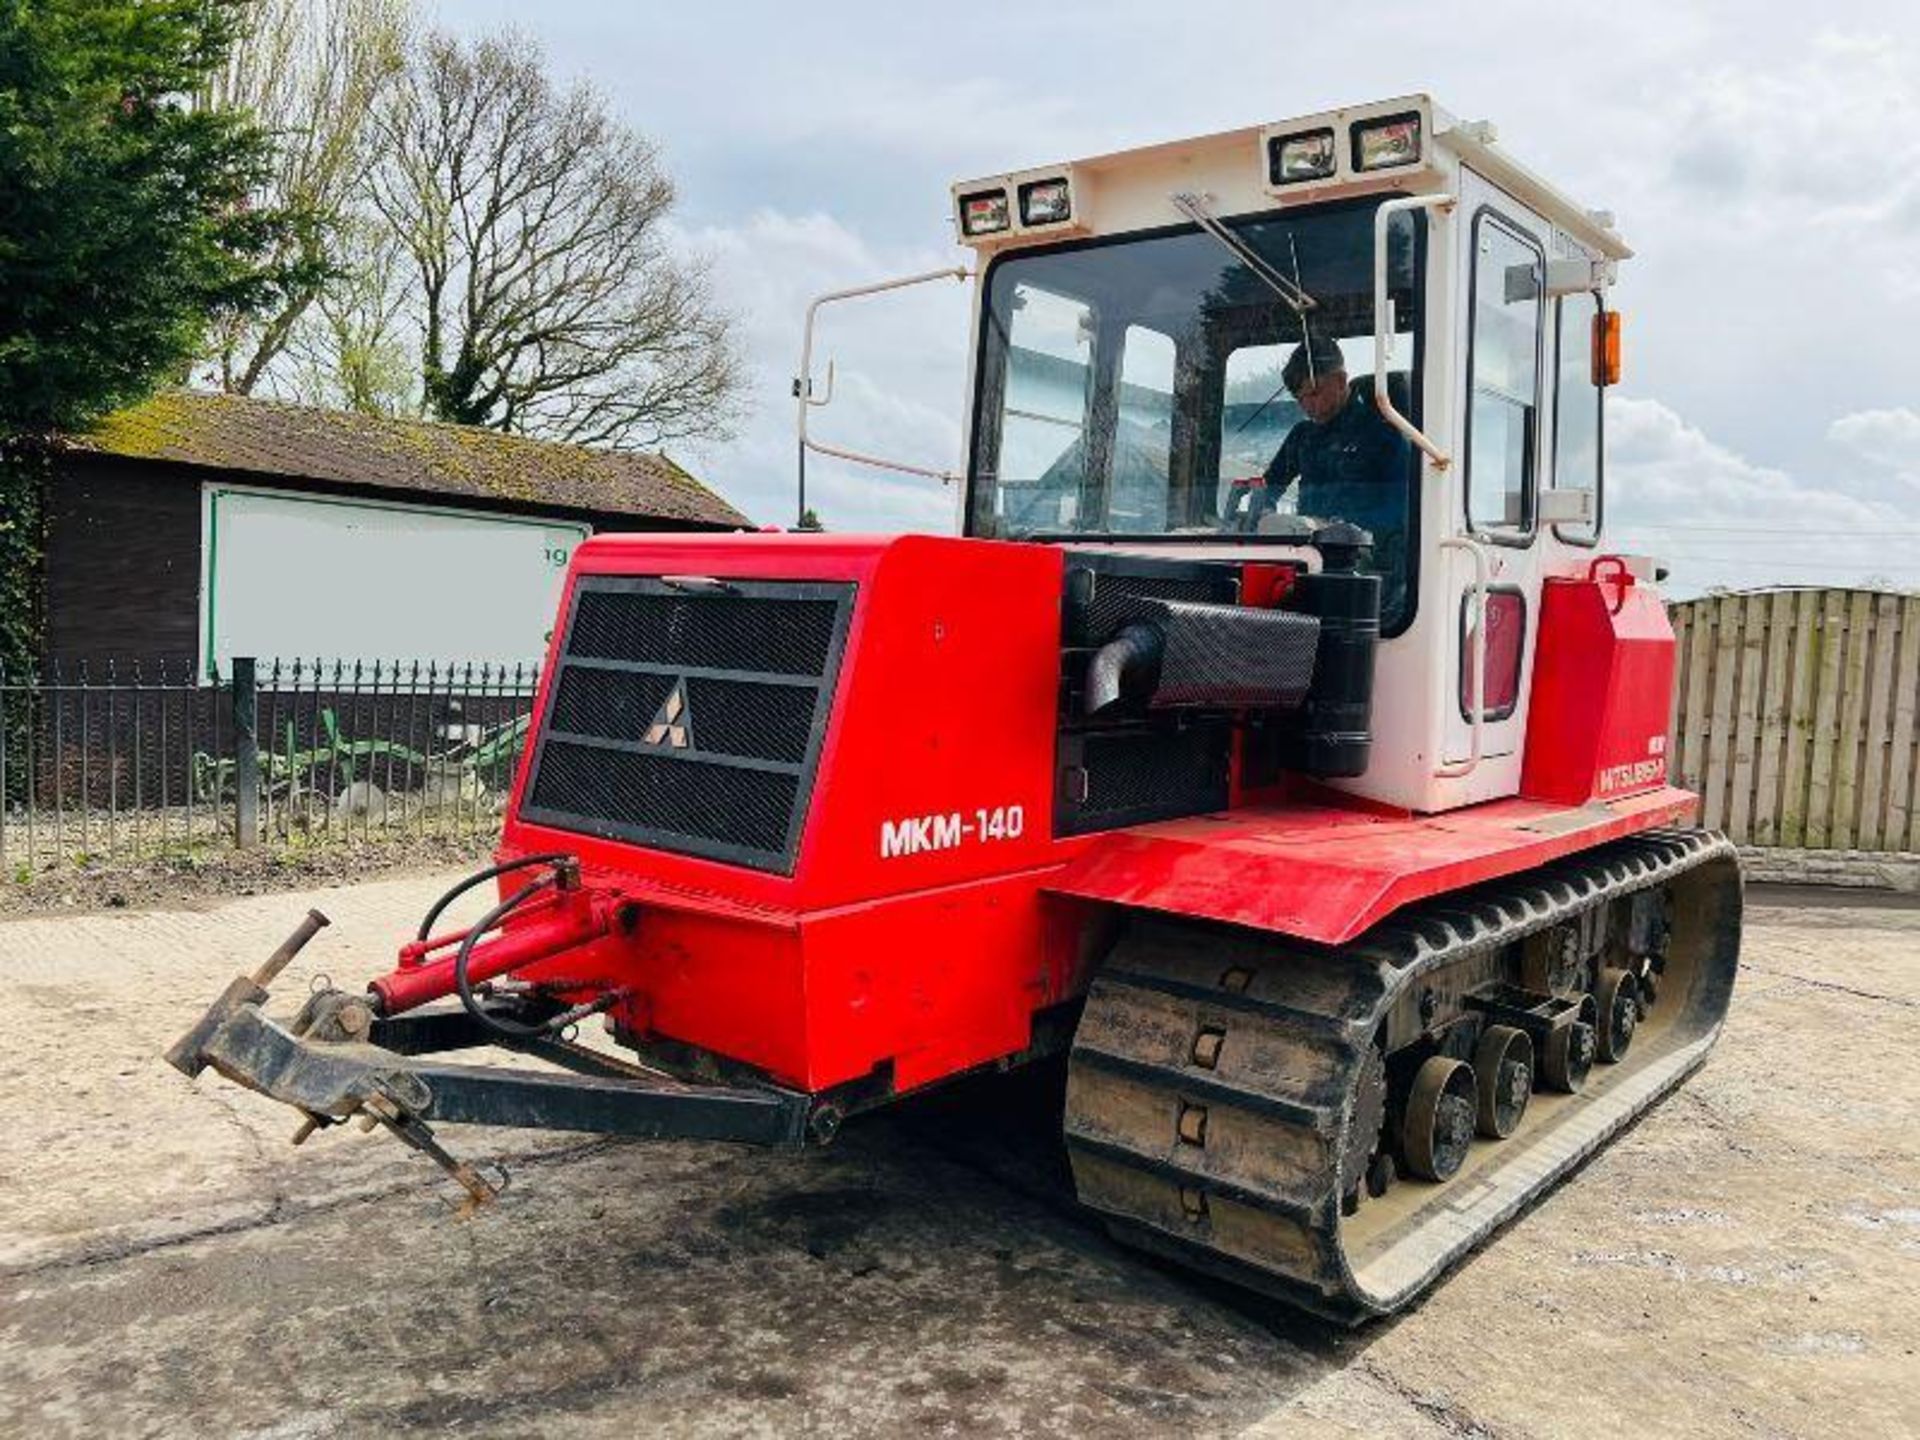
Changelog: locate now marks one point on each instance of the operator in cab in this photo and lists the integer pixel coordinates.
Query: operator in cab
(1349, 462)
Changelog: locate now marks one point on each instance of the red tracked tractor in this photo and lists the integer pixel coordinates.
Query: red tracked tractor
(1280, 741)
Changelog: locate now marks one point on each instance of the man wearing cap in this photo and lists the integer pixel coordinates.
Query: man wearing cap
(1350, 463)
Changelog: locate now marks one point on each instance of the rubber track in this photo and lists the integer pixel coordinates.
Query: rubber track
(1255, 1197)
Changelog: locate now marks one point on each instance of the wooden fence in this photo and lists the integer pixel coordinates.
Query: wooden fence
(1794, 717)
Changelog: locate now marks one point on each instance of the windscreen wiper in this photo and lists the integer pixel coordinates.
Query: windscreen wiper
(1196, 209)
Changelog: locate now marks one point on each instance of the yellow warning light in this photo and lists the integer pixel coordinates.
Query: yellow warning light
(1606, 348)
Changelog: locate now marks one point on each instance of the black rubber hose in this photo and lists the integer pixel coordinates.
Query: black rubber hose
(511, 1029)
(480, 877)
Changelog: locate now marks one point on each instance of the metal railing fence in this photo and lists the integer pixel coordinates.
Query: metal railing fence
(131, 760)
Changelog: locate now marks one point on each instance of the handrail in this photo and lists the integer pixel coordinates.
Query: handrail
(1477, 674)
(1383, 321)
(803, 382)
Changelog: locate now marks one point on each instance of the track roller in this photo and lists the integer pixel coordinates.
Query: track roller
(1438, 1124)
(1617, 1001)
(1503, 1071)
(1569, 1054)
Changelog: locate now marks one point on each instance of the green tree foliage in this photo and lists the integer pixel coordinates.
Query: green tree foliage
(127, 220)
(127, 227)
(23, 471)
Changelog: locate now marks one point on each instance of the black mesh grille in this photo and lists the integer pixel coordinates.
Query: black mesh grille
(750, 719)
(1129, 777)
(759, 722)
(1117, 771)
(705, 632)
(717, 803)
(609, 704)
(644, 741)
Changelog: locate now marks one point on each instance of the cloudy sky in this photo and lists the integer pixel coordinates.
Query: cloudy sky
(1763, 159)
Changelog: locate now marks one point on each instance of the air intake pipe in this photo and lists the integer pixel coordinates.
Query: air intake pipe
(1126, 668)
(1179, 654)
(1315, 661)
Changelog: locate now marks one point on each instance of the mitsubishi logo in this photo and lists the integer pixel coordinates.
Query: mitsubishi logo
(672, 724)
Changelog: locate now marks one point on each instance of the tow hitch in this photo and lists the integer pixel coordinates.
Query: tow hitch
(340, 1059)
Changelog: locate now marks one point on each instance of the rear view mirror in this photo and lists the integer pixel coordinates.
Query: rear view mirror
(1568, 506)
(1522, 283)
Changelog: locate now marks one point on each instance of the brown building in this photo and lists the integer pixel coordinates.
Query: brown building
(197, 527)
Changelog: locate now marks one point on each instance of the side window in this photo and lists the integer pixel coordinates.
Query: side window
(1578, 413)
(1043, 427)
(1143, 439)
(1256, 411)
(1503, 362)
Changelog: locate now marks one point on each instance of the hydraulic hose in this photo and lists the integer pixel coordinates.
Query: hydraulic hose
(511, 1029)
(480, 877)
(508, 1029)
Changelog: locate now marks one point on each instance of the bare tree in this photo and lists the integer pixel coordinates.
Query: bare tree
(549, 301)
(312, 72)
(354, 348)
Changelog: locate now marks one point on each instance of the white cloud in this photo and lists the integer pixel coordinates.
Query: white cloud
(1768, 174)
(1889, 439)
(1720, 519)
(1772, 199)
(899, 372)
(1837, 131)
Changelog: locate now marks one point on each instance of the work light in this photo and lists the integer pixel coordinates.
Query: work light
(1307, 156)
(1387, 142)
(984, 213)
(1045, 202)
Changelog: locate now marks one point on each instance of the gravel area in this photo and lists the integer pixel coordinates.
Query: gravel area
(217, 871)
(1745, 1261)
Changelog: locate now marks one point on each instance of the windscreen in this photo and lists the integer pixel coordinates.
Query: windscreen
(1157, 385)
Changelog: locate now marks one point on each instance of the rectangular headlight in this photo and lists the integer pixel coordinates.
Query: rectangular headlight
(1387, 142)
(1045, 202)
(1307, 156)
(985, 213)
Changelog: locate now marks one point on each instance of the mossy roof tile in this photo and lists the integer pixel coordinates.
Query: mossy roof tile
(336, 447)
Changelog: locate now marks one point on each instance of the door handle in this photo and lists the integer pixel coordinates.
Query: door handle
(1477, 672)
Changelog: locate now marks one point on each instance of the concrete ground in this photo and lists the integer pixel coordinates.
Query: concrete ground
(1745, 1261)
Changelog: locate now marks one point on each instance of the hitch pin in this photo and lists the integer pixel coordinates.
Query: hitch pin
(187, 1053)
(271, 967)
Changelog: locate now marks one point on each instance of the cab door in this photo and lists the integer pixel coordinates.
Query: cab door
(1494, 563)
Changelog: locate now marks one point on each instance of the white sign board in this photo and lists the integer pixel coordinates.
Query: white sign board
(286, 576)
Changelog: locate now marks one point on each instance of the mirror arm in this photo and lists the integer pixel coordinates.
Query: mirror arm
(804, 398)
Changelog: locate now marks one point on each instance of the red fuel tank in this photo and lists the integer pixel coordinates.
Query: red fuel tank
(1597, 726)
